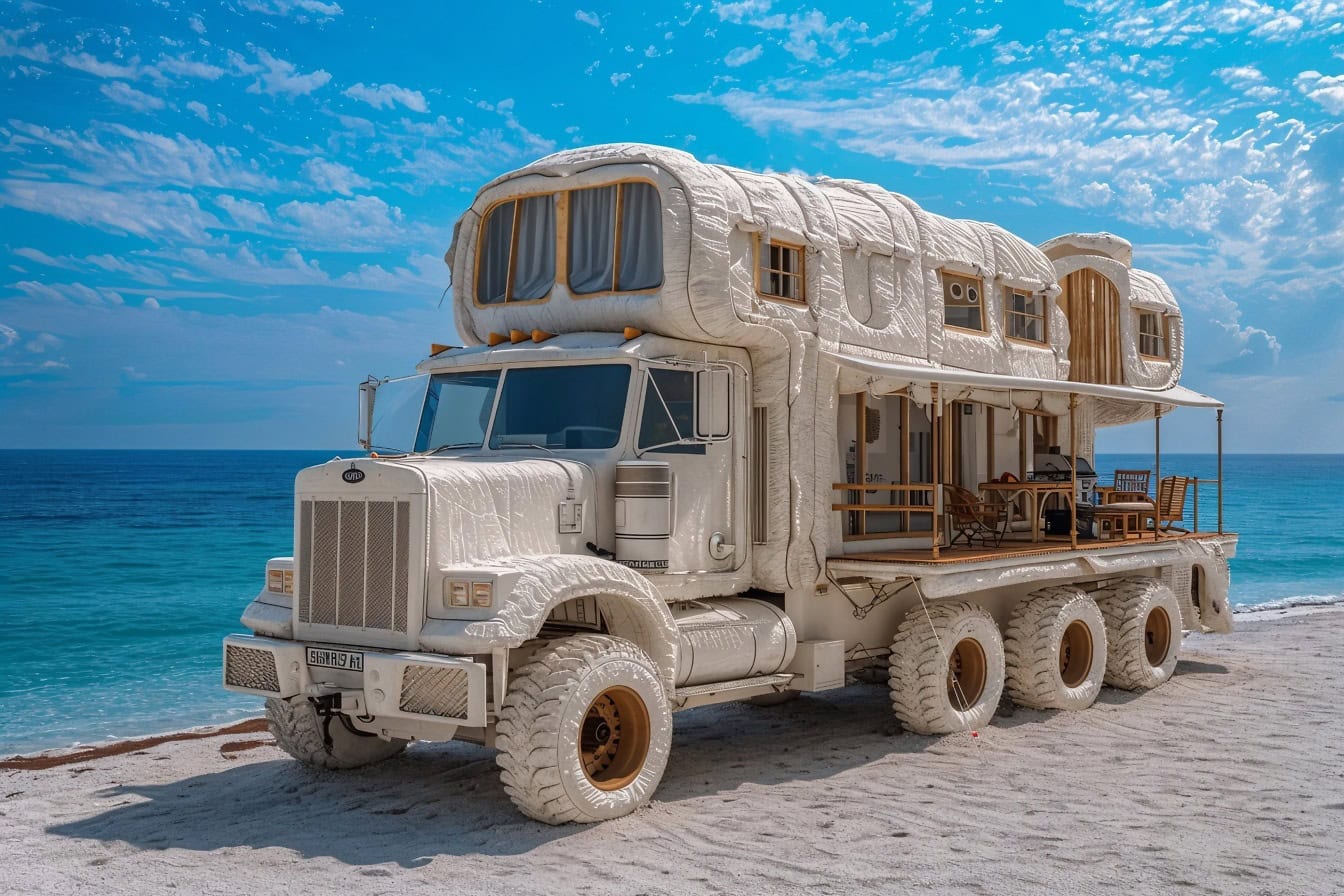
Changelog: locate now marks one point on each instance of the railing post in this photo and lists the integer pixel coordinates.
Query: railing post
(1073, 470)
(1220, 471)
(1157, 464)
(1196, 482)
(937, 452)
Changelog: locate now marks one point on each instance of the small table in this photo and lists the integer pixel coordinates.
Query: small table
(1037, 491)
(1114, 521)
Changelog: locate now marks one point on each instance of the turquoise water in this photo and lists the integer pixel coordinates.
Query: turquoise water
(122, 570)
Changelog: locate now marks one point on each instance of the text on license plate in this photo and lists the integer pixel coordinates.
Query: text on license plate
(348, 660)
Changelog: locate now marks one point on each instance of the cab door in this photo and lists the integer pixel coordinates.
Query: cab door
(686, 420)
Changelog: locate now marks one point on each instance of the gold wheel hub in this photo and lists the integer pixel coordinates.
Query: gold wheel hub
(966, 674)
(614, 738)
(1157, 636)
(1075, 654)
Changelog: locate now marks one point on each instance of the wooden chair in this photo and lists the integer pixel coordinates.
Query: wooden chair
(1170, 507)
(1129, 485)
(973, 518)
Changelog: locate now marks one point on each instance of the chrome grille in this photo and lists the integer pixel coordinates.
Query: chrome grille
(245, 667)
(434, 691)
(353, 563)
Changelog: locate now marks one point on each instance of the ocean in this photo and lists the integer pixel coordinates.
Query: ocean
(122, 570)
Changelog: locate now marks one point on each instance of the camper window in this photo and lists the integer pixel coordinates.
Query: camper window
(615, 239)
(516, 260)
(1025, 315)
(1153, 334)
(779, 269)
(963, 300)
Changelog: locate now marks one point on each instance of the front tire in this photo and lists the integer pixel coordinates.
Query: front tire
(1143, 631)
(1056, 650)
(946, 668)
(584, 731)
(297, 729)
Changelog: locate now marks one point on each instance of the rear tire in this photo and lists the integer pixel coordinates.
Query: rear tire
(584, 731)
(297, 729)
(1055, 647)
(1143, 633)
(946, 668)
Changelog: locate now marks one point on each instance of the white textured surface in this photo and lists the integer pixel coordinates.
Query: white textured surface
(1231, 791)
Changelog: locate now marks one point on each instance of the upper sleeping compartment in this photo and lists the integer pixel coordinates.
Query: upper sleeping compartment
(627, 235)
(1125, 323)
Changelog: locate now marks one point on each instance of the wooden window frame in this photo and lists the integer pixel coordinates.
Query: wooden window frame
(616, 237)
(981, 305)
(860, 488)
(557, 201)
(1010, 315)
(1164, 333)
(800, 275)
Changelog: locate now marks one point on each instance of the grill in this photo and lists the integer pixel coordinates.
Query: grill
(354, 563)
(1055, 468)
(433, 691)
(248, 668)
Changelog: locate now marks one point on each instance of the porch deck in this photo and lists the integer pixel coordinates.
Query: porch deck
(1021, 549)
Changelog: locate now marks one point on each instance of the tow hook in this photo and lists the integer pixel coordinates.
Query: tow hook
(328, 707)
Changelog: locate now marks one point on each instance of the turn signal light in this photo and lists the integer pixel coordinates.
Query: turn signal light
(458, 595)
(631, 333)
(541, 335)
(517, 336)
(495, 339)
(482, 594)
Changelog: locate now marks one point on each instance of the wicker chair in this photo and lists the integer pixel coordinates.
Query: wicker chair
(972, 518)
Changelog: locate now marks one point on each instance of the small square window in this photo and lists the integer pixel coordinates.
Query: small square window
(1153, 334)
(780, 271)
(1024, 315)
(963, 301)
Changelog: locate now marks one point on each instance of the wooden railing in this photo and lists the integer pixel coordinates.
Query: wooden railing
(911, 493)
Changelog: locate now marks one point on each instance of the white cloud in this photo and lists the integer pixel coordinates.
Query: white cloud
(381, 96)
(245, 213)
(618, 77)
(189, 68)
(588, 18)
(69, 292)
(151, 303)
(1327, 90)
(85, 62)
(980, 36)
(299, 9)
(279, 77)
(743, 55)
(333, 177)
(8, 336)
(148, 214)
(196, 23)
(802, 34)
(364, 223)
(199, 110)
(126, 95)
(10, 45)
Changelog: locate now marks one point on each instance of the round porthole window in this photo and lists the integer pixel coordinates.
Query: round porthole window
(972, 294)
(955, 289)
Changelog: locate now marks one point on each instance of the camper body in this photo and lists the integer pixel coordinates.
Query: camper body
(711, 438)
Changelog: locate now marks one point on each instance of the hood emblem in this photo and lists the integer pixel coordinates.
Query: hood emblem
(353, 475)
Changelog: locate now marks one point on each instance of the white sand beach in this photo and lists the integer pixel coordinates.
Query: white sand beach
(1226, 780)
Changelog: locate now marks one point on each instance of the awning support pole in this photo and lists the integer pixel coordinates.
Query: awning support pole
(1220, 471)
(1157, 462)
(937, 459)
(1073, 470)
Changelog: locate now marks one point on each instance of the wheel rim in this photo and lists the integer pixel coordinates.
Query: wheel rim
(1075, 654)
(966, 672)
(1157, 636)
(614, 738)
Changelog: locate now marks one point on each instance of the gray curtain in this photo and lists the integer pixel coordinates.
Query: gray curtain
(496, 236)
(641, 238)
(592, 239)
(534, 266)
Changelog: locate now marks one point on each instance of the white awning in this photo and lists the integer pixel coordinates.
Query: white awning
(1178, 396)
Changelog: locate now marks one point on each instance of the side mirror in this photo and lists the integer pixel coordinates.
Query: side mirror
(713, 403)
(366, 394)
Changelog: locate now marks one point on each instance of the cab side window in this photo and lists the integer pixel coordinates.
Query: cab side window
(668, 415)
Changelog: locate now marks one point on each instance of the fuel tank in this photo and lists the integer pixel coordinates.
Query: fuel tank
(728, 638)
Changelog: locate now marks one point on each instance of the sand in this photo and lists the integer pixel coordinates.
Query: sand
(1228, 779)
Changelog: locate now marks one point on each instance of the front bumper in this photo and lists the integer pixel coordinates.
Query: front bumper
(390, 686)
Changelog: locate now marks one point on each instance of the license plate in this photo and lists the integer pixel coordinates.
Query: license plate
(347, 660)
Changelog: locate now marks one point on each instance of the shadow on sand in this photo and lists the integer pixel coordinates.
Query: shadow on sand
(445, 799)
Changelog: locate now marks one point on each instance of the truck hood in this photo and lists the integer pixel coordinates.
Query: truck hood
(485, 508)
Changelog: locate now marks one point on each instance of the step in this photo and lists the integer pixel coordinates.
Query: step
(778, 680)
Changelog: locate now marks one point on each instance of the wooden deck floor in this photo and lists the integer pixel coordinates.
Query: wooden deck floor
(1012, 549)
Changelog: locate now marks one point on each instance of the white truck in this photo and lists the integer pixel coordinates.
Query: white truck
(716, 435)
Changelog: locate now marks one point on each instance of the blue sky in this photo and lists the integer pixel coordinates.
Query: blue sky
(218, 217)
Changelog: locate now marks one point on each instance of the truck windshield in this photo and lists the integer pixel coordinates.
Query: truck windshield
(561, 407)
(457, 410)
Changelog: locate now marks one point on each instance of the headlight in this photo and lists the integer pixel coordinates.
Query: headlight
(279, 581)
(482, 594)
(457, 593)
(461, 593)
